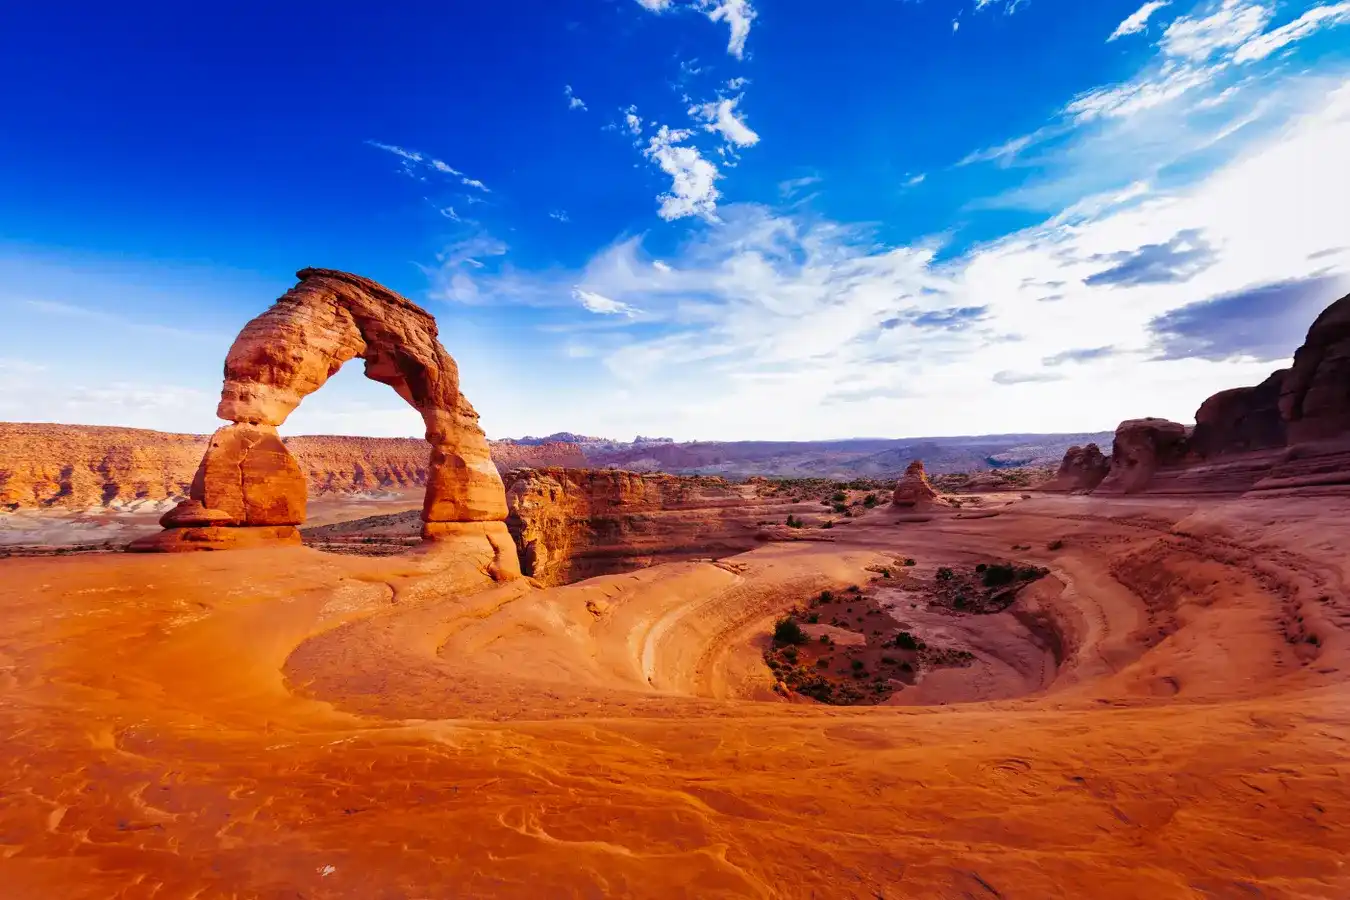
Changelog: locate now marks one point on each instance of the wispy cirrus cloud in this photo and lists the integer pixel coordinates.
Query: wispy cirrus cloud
(1137, 21)
(415, 164)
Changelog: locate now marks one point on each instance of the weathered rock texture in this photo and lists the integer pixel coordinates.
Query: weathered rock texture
(1141, 448)
(83, 467)
(1083, 469)
(1241, 420)
(1290, 432)
(572, 523)
(290, 351)
(913, 490)
(1315, 394)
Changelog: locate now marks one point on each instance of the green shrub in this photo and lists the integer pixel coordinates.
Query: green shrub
(945, 574)
(906, 641)
(1055, 545)
(999, 575)
(858, 665)
(826, 597)
(839, 497)
(980, 568)
(910, 562)
(787, 632)
(813, 619)
(870, 501)
(885, 573)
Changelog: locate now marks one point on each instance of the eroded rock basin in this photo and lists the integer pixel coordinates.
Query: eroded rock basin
(283, 723)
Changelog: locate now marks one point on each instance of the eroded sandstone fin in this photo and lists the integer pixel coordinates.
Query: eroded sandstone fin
(249, 480)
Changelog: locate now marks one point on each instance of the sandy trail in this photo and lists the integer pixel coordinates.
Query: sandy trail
(288, 723)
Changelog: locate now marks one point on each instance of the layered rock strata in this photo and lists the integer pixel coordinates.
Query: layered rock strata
(89, 467)
(570, 524)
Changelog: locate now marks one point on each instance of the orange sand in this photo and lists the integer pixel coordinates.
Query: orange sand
(286, 723)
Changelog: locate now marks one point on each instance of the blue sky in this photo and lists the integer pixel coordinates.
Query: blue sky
(711, 219)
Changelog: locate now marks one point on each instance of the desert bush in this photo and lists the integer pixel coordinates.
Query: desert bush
(1055, 545)
(839, 497)
(906, 641)
(999, 575)
(870, 501)
(909, 563)
(787, 632)
(945, 574)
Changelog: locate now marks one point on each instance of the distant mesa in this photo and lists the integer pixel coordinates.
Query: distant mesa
(249, 489)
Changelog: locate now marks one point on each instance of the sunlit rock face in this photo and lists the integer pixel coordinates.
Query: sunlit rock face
(290, 351)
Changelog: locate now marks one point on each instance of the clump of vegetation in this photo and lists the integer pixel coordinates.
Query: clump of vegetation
(786, 632)
(997, 575)
(870, 501)
(909, 563)
(906, 641)
(794, 522)
(828, 525)
(1055, 545)
(825, 597)
(839, 497)
(945, 574)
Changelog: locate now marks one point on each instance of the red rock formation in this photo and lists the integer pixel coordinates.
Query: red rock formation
(575, 523)
(913, 489)
(1315, 394)
(1141, 448)
(287, 353)
(74, 467)
(1241, 420)
(1083, 469)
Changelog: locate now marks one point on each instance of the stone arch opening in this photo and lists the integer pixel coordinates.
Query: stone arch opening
(249, 490)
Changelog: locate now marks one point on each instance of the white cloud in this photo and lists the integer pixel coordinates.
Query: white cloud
(560, 215)
(1231, 24)
(693, 190)
(720, 117)
(915, 180)
(1138, 20)
(792, 186)
(414, 161)
(655, 5)
(738, 14)
(602, 305)
(1318, 17)
(449, 213)
(765, 310)
(573, 101)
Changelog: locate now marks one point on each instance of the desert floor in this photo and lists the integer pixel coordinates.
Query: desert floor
(290, 723)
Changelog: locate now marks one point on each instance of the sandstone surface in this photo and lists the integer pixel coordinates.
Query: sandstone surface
(913, 490)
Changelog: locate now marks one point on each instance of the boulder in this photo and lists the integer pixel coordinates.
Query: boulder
(1140, 449)
(248, 473)
(1082, 470)
(913, 490)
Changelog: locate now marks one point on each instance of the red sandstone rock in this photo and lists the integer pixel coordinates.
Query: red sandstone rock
(1241, 420)
(290, 350)
(1082, 470)
(89, 466)
(1141, 448)
(192, 514)
(1315, 394)
(186, 540)
(248, 473)
(576, 523)
(913, 489)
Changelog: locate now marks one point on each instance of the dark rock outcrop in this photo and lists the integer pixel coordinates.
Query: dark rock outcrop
(1082, 470)
(1241, 420)
(1315, 394)
(913, 490)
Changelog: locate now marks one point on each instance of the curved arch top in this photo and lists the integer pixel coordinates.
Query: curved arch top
(248, 479)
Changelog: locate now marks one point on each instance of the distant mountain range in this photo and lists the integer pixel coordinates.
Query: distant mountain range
(851, 458)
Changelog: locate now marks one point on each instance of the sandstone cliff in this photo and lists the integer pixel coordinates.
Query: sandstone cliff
(88, 466)
(1290, 432)
(571, 524)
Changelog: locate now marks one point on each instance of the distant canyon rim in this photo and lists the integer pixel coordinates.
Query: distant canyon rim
(1030, 666)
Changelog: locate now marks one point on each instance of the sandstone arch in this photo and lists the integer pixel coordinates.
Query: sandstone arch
(248, 489)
